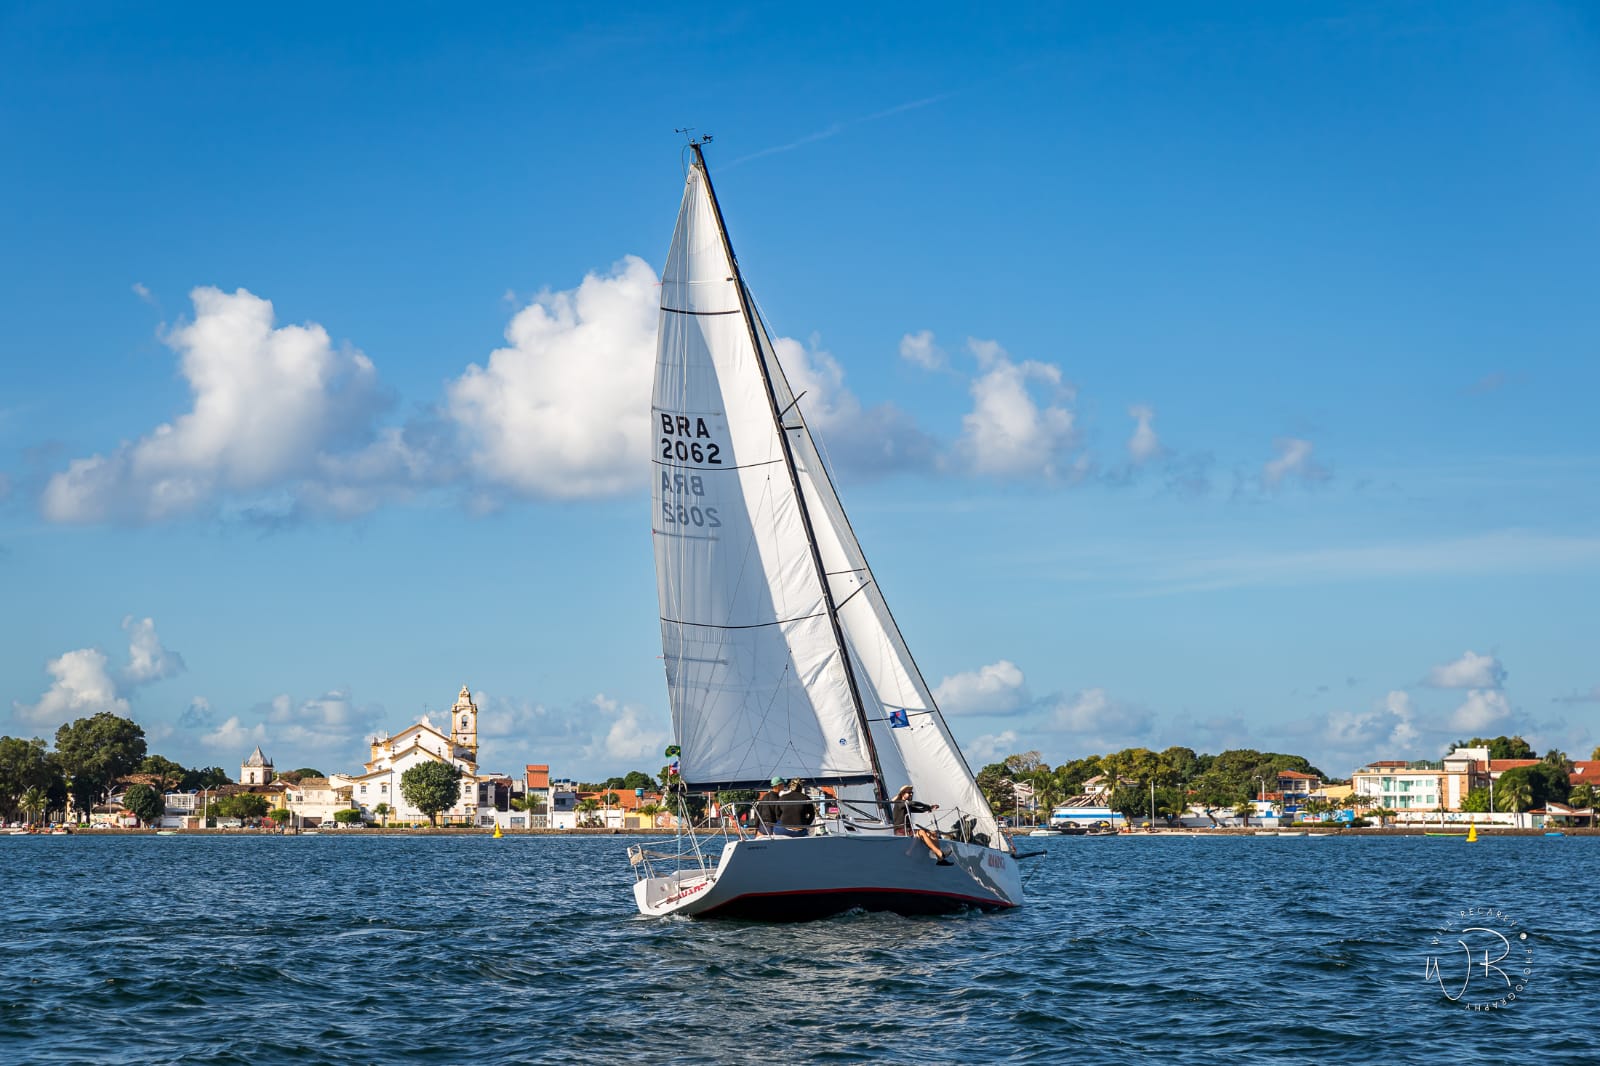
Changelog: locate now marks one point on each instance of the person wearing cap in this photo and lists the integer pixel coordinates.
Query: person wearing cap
(798, 812)
(768, 810)
(905, 805)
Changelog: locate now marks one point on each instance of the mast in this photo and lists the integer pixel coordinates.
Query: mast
(794, 481)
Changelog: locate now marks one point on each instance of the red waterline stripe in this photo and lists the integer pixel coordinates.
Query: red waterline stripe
(989, 901)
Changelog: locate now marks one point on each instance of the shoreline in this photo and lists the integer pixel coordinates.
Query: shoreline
(1226, 831)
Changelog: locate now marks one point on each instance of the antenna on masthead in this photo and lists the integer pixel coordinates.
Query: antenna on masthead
(694, 142)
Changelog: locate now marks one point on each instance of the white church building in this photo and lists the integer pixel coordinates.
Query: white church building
(378, 783)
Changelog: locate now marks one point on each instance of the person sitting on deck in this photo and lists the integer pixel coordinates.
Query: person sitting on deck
(768, 811)
(798, 811)
(905, 805)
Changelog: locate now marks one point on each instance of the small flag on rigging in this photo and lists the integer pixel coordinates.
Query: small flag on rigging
(898, 718)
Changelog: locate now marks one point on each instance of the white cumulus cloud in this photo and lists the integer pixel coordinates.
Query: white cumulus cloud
(1144, 445)
(1093, 711)
(985, 749)
(82, 687)
(630, 737)
(148, 659)
(1470, 671)
(564, 410)
(1481, 712)
(995, 689)
(920, 350)
(1011, 431)
(268, 400)
(874, 440)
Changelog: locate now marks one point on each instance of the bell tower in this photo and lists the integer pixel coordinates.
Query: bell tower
(464, 723)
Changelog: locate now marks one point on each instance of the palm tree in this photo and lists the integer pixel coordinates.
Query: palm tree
(587, 807)
(1517, 796)
(382, 811)
(33, 803)
(1244, 809)
(650, 810)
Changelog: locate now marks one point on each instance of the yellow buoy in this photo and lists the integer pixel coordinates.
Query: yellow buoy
(1472, 833)
(497, 833)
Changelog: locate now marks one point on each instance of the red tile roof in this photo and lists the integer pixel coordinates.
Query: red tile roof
(1297, 774)
(1498, 765)
(538, 775)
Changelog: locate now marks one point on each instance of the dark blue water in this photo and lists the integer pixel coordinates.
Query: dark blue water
(355, 949)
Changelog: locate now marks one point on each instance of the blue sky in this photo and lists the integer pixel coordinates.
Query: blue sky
(1218, 376)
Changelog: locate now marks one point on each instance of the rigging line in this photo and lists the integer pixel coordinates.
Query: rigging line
(780, 621)
(859, 589)
(719, 468)
(699, 314)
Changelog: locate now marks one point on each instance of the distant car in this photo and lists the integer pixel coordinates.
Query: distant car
(327, 823)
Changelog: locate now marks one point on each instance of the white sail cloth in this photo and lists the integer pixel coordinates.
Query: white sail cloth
(758, 686)
(755, 670)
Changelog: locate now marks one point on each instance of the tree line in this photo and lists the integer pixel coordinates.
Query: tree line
(89, 757)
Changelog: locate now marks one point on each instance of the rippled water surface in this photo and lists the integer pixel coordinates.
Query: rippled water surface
(344, 948)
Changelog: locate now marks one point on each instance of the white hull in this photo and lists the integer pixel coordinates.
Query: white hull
(793, 879)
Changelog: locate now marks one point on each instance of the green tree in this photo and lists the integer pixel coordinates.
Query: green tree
(144, 803)
(995, 783)
(635, 779)
(307, 771)
(32, 803)
(244, 806)
(1244, 809)
(1501, 747)
(24, 765)
(1514, 795)
(94, 752)
(1177, 766)
(1171, 803)
(210, 777)
(280, 815)
(586, 809)
(349, 816)
(1071, 776)
(1582, 795)
(1130, 801)
(431, 787)
(173, 776)
(382, 811)
(1476, 801)
(1543, 781)
(1559, 761)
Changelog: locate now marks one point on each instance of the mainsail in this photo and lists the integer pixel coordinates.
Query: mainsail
(782, 658)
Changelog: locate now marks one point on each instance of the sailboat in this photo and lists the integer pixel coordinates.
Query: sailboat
(782, 659)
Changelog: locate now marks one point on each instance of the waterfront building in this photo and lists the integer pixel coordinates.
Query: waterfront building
(1400, 785)
(313, 800)
(256, 769)
(390, 757)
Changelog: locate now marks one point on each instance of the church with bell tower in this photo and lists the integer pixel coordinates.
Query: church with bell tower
(456, 744)
(464, 726)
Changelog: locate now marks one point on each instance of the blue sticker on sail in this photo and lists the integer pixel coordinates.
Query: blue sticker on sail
(898, 718)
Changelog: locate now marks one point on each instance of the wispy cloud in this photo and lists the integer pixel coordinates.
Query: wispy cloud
(1502, 552)
(836, 128)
